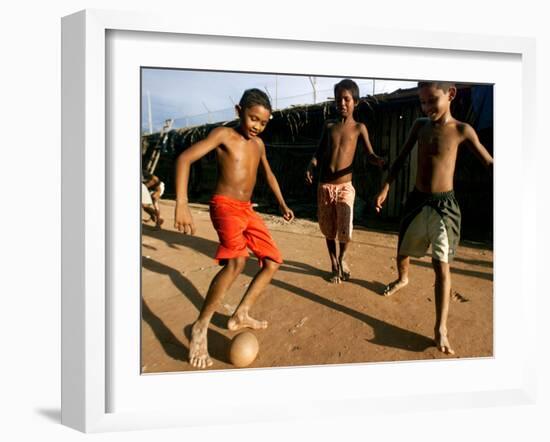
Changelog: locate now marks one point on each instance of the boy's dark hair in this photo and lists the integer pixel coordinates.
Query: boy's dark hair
(347, 85)
(443, 85)
(254, 97)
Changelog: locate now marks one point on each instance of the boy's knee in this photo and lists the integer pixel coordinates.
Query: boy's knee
(236, 265)
(271, 265)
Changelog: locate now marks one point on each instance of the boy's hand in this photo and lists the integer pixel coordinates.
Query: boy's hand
(309, 175)
(183, 221)
(377, 161)
(380, 162)
(288, 214)
(381, 197)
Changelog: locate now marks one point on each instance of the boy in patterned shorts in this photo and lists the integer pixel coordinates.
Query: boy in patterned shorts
(334, 158)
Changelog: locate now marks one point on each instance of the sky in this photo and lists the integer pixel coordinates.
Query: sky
(193, 97)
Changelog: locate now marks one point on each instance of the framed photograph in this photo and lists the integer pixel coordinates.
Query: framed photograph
(317, 299)
(117, 268)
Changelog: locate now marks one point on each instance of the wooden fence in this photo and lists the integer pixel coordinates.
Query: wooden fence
(291, 139)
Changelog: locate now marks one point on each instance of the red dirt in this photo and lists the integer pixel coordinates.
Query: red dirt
(311, 321)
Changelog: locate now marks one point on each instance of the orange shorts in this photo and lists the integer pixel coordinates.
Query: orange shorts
(239, 228)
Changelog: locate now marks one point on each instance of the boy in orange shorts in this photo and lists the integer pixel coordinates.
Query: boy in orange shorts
(239, 152)
(336, 194)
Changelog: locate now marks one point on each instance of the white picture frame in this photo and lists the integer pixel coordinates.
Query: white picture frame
(89, 231)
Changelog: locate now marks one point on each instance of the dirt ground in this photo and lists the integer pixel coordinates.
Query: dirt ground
(311, 321)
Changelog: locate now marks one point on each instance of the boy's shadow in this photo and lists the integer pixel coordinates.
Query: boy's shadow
(173, 239)
(185, 287)
(208, 248)
(218, 344)
(306, 269)
(385, 334)
(170, 343)
(475, 262)
(376, 287)
(466, 272)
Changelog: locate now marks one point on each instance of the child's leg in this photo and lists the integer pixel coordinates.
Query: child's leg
(403, 276)
(159, 219)
(344, 223)
(442, 300)
(241, 318)
(198, 349)
(331, 246)
(344, 269)
(328, 217)
(156, 195)
(150, 210)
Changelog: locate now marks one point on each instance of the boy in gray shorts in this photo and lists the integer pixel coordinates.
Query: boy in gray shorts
(432, 215)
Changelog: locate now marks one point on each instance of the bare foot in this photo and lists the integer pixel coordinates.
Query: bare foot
(395, 286)
(345, 273)
(335, 277)
(198, 349)
(160, 221)
(442, 343)
(236, 322)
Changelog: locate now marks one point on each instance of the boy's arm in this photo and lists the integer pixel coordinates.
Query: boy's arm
(398, 163)
(273, 184)
(318, 154)
(183, 221)
(152, 181)
(371, 156)
(472, 140)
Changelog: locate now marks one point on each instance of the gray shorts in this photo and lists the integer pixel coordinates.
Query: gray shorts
(430, 219)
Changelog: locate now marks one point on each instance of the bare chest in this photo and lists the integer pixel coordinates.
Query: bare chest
(239, 154)
(438, 143)
(344, 139)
